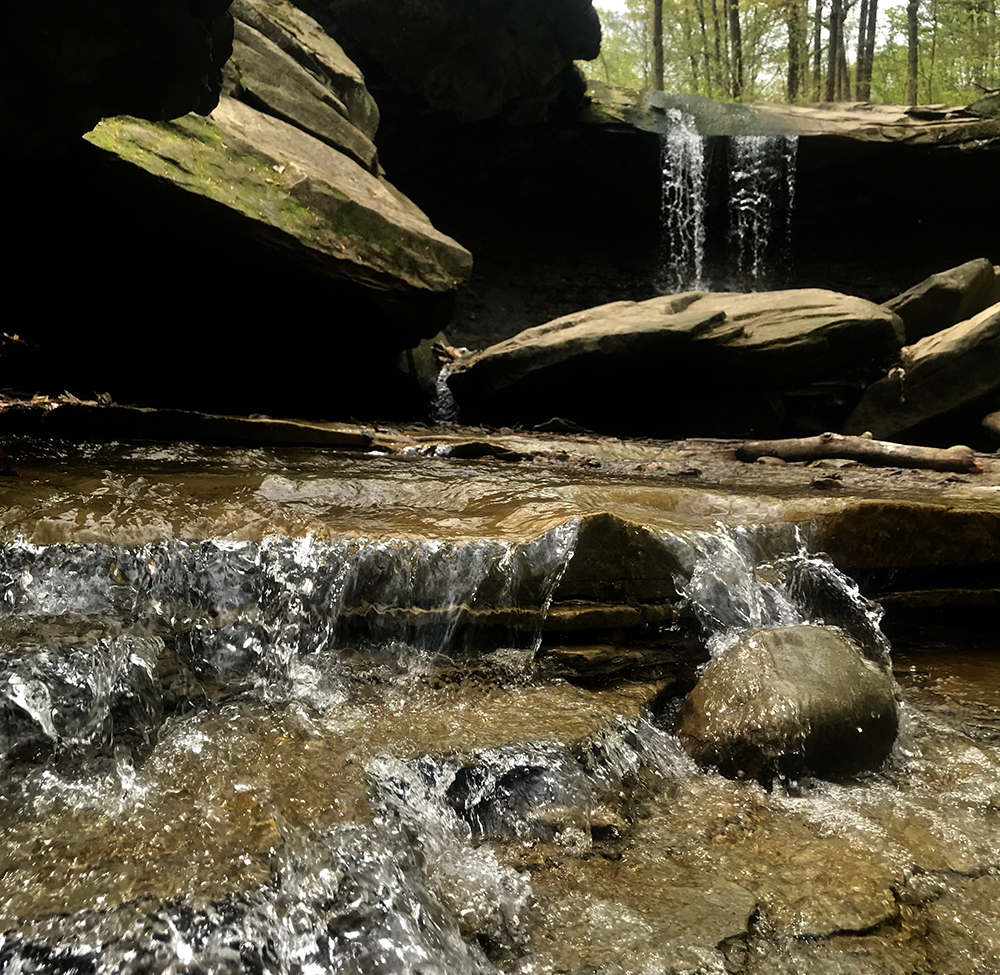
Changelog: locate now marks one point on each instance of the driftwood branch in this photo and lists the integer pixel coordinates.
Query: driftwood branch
(874, 452)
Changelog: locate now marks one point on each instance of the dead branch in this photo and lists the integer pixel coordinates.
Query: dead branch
(882, 453)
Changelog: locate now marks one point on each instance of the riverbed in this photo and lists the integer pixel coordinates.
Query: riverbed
(410, 709)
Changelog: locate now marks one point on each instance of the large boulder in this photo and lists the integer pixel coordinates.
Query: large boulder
(715, 363)
(284, 64)
(938, 375)
(297, 193)
(791, 701)
(278, 199)
(947, 298)
(66, 65)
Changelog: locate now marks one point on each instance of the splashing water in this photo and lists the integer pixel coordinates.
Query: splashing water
(682, 206)
(747, 578)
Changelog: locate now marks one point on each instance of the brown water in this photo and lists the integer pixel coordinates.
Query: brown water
(205, 768)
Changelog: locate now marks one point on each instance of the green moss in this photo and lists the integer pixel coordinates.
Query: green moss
(192, 152)
(196, 155)
(364, 225)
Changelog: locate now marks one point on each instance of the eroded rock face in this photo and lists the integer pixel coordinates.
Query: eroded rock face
(66, 65)
(794, 700)
(716, 362)
(947, 298)
(284, 64)
(939, 374)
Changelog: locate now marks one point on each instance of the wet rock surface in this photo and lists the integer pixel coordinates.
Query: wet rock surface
(208, 735)
(791, 701)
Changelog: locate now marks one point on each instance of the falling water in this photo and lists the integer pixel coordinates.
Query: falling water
(443, 407)
(762, 193)
(743, 578)
(683, 205)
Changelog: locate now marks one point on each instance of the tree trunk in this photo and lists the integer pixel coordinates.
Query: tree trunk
(930, 69)
(818, 52)
(833, 55)
(658, 45)
(716, 36)
(700, 6)
(866, 91)
(736, 39)
(843, 75)
(859, 58)
(866, 451)
(796, 41)
(911, 60)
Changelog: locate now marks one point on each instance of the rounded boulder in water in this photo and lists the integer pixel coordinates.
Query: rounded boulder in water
(791, 701)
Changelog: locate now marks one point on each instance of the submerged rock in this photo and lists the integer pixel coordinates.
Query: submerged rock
(947, 298)
(791, 701)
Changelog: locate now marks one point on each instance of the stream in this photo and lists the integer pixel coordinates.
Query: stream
(294, 711)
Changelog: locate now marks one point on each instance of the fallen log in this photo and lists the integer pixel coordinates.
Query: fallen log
(961, 460)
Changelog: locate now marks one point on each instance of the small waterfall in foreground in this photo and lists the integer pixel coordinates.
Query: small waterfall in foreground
(761, 196)
(749, 238)
(683, 205)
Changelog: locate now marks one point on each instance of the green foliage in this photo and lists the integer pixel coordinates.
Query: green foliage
(625, 48)
(959, 49)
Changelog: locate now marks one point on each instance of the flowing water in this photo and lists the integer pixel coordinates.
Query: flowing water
(755, 254)
(762, 197)
(683, 205)
(237, 735)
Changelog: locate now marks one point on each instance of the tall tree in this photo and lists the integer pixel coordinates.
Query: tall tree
(859, 58)
(818, 51)
(833, 57)
(796, 48)
(658, 45)
(869, 58)
(717, 44)
(912, 41)
(736, 43)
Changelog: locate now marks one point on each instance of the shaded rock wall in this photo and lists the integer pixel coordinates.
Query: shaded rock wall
(467, 63)
(66, 65)
(273, 226)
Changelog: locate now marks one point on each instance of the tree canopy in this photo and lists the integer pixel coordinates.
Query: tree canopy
(924, 51)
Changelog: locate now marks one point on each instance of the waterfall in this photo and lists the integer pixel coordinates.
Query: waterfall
(762, 192)
(682, 205)
(443, 408)
(761, 195)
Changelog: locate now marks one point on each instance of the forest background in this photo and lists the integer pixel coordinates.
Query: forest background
(923, 51)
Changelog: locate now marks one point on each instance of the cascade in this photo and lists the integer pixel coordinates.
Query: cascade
(756, 249)
(443, 405)
(683, 204)
(300, 753)
(762, 195)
